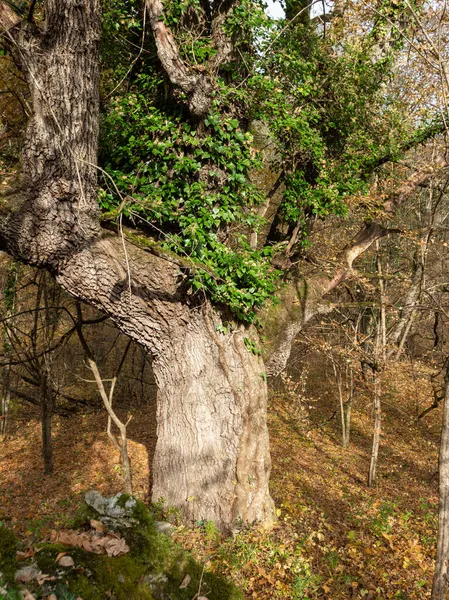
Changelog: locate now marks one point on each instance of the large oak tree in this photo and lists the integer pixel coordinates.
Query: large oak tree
(225, 136)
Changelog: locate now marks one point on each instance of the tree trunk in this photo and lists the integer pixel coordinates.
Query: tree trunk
(440, 577)
(6, 399)
(212, 458)
(349, 385)
(347, 417)
(212, 453)
(376, 433)
(47, 403)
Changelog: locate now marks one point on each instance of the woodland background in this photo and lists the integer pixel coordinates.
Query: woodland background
(354, 418)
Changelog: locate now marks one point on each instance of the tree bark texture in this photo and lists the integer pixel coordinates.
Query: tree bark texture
(212, 452)
(52, 210)
(439, 586)
(212, 435)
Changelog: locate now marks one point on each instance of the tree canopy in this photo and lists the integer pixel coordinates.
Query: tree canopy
(310, 101)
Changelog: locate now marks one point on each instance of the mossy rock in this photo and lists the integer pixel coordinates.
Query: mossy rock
(8, 548)
(154, 568)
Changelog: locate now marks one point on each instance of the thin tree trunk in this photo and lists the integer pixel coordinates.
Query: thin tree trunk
(47, 404)
(6, 399)
(9, 304)
(348, 406)
(348, 409)
(440, 576)
(377, 429)
(122, 447)
(379, 359)
(337, 375)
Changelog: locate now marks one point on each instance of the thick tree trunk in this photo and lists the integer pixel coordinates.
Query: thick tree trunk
(440, 576)
(53, 209)
(212, 457)
(212, 454)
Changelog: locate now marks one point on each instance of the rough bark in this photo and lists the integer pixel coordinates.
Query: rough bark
(439, 586)
(212, 458)
(212, 452)
(194, 83)
(197, 82)
(8, 18)
(53, 209)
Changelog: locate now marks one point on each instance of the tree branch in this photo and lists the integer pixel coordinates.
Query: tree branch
(194, 83)
(8, 18)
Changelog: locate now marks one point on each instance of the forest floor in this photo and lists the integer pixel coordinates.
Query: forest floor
(335, 539)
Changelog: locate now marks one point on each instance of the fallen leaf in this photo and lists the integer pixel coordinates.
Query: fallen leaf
(110, 544)
(185, 582)
(97, 525)
(116, 547)
(43, 577)
(60, 555)
(24, 555)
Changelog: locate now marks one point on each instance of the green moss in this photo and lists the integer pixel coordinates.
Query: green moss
(123, 499)
(8, 548)
(83, 515)
(140, 511)
(162, 556)
(154, 567)
(97, 576)
(120, 576)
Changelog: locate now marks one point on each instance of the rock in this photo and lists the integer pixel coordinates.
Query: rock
(27, 574)
(116, 512)
(154, 579)
(163, 527)
(185, 582)
(66, 561)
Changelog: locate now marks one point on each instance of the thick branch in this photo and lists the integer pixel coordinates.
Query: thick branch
(418, 178)
(304, 299)
(194, 83)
